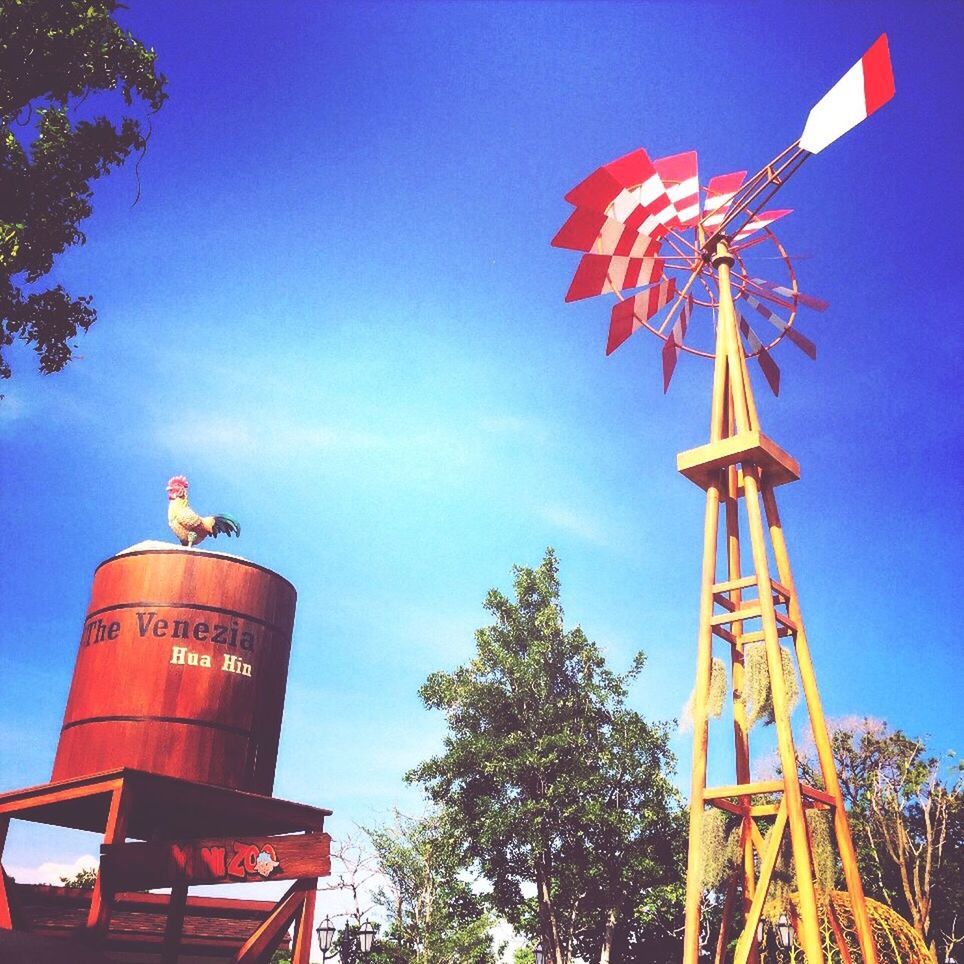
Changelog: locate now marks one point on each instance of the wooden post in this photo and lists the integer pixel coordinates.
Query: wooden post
(101, 901)
(694, 861)
(174, 927)
(304, 928)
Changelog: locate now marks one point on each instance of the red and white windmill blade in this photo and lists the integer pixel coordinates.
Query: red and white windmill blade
(641, 225)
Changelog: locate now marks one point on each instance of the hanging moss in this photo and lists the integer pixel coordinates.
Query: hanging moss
(715, 698)
(781, 883)
(824, 859)
(717, 694)
(721, 846)
(758, 693)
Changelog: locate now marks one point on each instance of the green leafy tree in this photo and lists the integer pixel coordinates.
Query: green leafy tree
(85, 878)
(433, 914)
(548, 781)
(905, 809)
(53, 56)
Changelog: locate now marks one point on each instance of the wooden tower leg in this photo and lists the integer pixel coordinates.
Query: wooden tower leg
(694, 861)
(821, 737)
(806, 894)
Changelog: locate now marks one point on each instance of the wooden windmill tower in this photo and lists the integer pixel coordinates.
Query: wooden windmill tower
(695, 250)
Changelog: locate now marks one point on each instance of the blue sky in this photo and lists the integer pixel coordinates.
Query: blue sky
(335, 308)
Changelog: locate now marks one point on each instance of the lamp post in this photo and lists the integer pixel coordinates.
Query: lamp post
(784, 932)
(326, 938)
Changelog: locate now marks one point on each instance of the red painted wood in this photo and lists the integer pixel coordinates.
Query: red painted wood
(217, 860)
(181, 670)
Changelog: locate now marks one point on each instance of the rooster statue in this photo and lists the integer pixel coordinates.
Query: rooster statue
(189, 527)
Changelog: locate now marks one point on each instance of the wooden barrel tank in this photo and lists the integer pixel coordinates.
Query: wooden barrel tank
(181, 670)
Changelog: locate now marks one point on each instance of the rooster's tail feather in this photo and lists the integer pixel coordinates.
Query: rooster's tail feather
(227, 525)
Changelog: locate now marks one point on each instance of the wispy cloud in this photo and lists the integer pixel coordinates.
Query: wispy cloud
(260, 437)
(580, 523)
(530, 428)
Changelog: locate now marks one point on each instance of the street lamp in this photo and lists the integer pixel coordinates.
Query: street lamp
(539, 953)
(365, 937)
(326, 934)
(326, 938)
(784, 931)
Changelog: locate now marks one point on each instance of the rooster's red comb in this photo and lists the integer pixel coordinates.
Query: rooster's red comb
(177, 482)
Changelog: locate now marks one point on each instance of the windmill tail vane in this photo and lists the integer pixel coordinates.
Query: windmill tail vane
(647, 230)
(690, 262)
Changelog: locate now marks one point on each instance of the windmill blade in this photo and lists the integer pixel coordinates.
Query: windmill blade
(867, 86)
(760, 292)
(760, 221)
(798, 338)
(629, 315)
(679, 174)
(631, 191)
(591, 231)
(598, 273)
(768, 366)
(818, 304)
(719, 194)
(672, 345)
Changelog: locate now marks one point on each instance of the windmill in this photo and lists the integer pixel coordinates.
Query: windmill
(690, 262)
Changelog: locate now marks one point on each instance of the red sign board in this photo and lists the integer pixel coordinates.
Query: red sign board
(222, 860)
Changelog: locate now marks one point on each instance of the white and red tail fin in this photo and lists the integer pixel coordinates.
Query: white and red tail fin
(867, 86)
(629, 315)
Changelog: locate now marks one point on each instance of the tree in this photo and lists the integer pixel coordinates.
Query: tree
(53, 56)
(433, 914)
(548, 781)
(85, 878)
(905, 810)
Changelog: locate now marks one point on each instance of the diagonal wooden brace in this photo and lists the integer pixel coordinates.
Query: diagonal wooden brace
(762, 885)
(259, 947)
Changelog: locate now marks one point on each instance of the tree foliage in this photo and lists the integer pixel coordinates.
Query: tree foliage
(548, 781)
(85, 878)
(905, 809)
(53, 56)
(434, 916)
